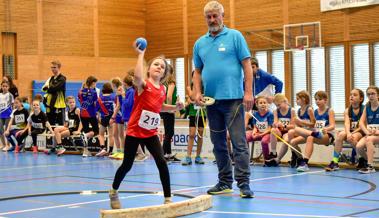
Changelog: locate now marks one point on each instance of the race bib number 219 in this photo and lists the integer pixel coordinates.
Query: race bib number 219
(149, 120)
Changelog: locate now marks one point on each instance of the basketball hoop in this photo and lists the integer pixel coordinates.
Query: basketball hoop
(301, 36)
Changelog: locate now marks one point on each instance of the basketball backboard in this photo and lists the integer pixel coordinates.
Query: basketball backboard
(301, 36)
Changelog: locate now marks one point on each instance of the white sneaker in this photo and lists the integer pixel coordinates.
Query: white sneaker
(303, 168)
(102, 153)
(141, 157)
(5, 148)
(367, 170)
(86, 153)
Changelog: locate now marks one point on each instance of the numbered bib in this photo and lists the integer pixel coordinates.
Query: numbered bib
(149, 120)
(261, 126)
(320, 124)
(37, 125)
(71, 123)
(3, 106)
(19, 119)
(373, 127)
(354, 125)
(285, 121)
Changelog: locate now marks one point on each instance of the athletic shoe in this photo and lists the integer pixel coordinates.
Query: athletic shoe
(220, 189)
(271, 163)
(119, 156)
(303, 167)
(115, 201)
(5, 148)
(17, 149)
(35, 149)
(272, 155)
(362, 163)
(293, 162)
(167, 200)
(187, 161)
(86, 153)
(173, 159)
(367, 170)
(47, 151)
(141, 157)
(60, 150)
(112, 155)
(251, 163)
(102, 153)
(332, 167)
(199, 160)
(245, 191)
(11, 149)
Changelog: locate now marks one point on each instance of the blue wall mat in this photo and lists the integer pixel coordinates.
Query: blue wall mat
(72, 88)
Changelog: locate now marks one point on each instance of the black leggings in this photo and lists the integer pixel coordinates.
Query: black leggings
(20, 138)
(169, 125)
(35, 133)
(155, 149)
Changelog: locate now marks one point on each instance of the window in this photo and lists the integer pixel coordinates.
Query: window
(9, 54)
(317, 71)
(262, 59)
(299, 72)
(277, 58)
(361, 66)
(337, 78)
(376, 64)
(180, 78)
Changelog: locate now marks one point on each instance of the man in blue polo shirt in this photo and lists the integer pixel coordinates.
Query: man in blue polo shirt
(222, 63)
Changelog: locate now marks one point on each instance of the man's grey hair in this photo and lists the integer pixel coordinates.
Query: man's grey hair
(213, 6)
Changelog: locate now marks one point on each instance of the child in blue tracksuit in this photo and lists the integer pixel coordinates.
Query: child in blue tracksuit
(108, 99)
(89, 104)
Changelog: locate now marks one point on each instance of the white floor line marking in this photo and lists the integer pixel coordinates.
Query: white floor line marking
(272, 214)
(254, 180)
(73, 207)
(67, 205)
(135, 196)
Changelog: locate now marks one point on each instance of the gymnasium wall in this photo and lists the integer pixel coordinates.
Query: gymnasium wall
(172, 24)
(266, 17)
(95, 36)
(89, 37)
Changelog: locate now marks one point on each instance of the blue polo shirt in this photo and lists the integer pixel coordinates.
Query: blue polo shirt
(220, 60)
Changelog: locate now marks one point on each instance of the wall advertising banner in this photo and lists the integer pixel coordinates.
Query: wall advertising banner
(329, 5)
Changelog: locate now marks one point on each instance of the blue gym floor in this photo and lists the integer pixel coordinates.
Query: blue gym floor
(280, 192)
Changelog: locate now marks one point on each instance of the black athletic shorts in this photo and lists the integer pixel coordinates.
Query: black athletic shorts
(192, 121)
